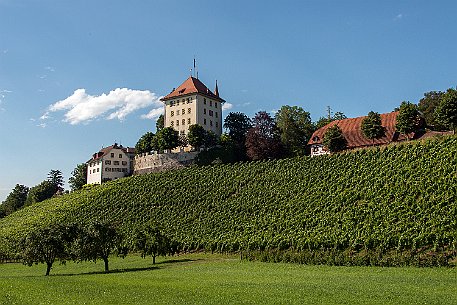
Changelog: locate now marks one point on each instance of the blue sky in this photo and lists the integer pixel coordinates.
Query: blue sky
(79, 75)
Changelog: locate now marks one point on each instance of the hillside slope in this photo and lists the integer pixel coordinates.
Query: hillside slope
(397, 197)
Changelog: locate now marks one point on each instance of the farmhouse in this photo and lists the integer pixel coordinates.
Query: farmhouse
(110, 163)
(352, 131)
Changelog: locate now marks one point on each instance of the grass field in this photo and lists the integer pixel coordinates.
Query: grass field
(219, 279)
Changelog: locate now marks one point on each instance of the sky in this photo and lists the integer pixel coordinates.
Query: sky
(76, 76)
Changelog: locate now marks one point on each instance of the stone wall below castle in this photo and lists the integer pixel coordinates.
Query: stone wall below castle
(155, 162)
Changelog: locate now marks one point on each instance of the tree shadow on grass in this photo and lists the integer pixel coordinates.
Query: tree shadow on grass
(109, 272)
(174, 261)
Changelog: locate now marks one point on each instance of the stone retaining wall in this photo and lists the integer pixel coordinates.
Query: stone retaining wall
(159, 162)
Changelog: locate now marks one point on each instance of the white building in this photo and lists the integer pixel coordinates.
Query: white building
(110, 163)
(193, 103)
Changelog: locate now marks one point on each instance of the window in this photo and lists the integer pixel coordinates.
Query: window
(182, 132)
(215, 104)
(112, 155)
(177, 103)
(177, 122)
(172, 103)
(188, 100)
(120, 156)
(98, 169)
(204, 121)
(172, 113)
(90, 171)
(116, 162)
(183, 122)
(183, 111)
(204, 110)
(210, 123)
(210, 113)
(177, 112)
(188, 110)
(217, 124)
(211, 103)
(172, 123)
(204, 101)
(183, 101)
(107, 162)
(124, 162)
(216, 114)
(188, 121)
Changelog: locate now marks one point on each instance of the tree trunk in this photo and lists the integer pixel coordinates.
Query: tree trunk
(105, 259)
(153, 259)
(48, 268)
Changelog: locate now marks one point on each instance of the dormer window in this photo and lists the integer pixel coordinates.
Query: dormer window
(315, 138)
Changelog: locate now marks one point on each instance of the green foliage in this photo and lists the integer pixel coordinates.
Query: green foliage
(79, 177)
(395, 198)
(196, 135)
(407, 119)
(167, 138)
(97, 240)
(322, 121)
(372, 126)
(45, 245)
(160, 123)
(427, 106)
(40, 192)
(334, 139)
(238, 125)
(296, 128)
(145, 143)
(56, 178)
(447, 110)
(149, 240)
(15, 200)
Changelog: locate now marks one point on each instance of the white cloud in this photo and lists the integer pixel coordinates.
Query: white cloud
(42, 125)
(399, 16)
(50, 69)
(227, 106)
(153, 114)
(81, 107)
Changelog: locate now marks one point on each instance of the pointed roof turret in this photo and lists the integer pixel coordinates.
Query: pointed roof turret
(216, 90)
(192, 85)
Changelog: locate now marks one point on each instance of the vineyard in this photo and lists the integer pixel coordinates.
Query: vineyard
(395, 198)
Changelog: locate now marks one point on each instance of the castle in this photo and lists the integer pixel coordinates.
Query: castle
(190, 103)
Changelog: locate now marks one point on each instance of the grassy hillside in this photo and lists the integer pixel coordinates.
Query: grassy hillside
(394, 198)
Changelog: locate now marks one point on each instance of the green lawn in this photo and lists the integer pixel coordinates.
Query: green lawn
(217, 279)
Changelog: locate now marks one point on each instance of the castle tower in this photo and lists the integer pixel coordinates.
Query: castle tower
(193, 103)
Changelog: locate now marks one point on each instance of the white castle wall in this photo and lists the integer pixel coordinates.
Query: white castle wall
(159, 162)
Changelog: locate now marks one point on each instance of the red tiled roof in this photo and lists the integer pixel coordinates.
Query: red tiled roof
(106, 150)
(352, 131)
(190, 86)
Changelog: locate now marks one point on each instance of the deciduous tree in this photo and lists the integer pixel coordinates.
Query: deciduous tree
(372, 126)
(263, 139)
(40, 192)
(79, 177)
(447, 109)
(149, 240)
(145, 143)
(15, 200)
(160, 123)
(295, 127)
(427, 106)
(407, 119)
(196, 135)
(167, 138)
(334, 139)
(238, 125)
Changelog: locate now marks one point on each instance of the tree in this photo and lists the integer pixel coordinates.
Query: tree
(55, 177)
(427, 106)
(196, 135)
(238, 125)
(167, 138)
(211, 139)
(447, 109)
(15, 200)
(79, 177)
(263, 139)
(326, 120)
(407, 119)
(40, 192)
(145, 143)
(45, 245)
(97, 240)
(372, 126)
(334, 139)
(160, 123)
(296, 128)
(149, 240)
